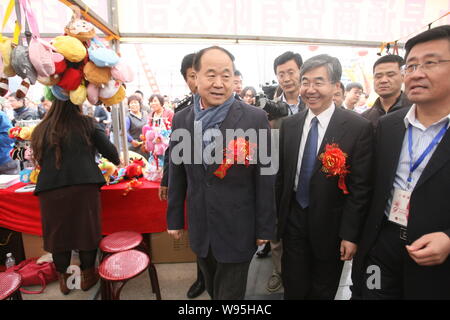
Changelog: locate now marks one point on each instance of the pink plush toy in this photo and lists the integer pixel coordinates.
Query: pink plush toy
(159, 145)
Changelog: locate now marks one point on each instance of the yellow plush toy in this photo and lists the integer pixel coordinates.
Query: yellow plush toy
(25, 133)
(34, 175)
(108, 169)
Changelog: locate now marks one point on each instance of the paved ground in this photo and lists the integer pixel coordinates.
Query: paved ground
(176, 278)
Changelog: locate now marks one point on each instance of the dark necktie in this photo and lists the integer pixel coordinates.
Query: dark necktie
(308, 162)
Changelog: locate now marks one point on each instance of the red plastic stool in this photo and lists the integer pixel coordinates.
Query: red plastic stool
(127, 240)
(10, 283)
(121, 241)
(117, 269)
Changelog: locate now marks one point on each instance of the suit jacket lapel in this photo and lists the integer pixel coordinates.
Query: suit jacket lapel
(440, 157)
(190, 120)
(293, 138)
(335, 131)
(391, 153)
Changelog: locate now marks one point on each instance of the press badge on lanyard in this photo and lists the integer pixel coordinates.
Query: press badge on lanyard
(399, 212)
(400, 207)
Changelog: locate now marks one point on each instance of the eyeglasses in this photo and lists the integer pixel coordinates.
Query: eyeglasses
(426, 66)
(314, 84)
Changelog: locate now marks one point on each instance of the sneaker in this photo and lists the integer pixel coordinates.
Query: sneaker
(274, 283)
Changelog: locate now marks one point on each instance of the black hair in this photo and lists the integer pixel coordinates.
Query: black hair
(237, 73)
(159, 97)
(352, 85)
(342, 87)
(198, 57)
(285, 57)
(244, 91)
(186, 63)
(391, 58)
(441, 32)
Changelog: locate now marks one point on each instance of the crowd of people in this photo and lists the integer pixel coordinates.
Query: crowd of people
(353, 182)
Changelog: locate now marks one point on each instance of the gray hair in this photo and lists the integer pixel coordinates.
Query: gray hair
(332, 65)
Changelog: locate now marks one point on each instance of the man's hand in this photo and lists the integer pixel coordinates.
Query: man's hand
(162, 193)
(260, 242)
(430, 250)
(348, 250)
(135, 143)
(176, 234)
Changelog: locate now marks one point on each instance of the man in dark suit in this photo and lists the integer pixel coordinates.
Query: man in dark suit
(188, 73)
(319, 224)
(404, 251)
(228, 217)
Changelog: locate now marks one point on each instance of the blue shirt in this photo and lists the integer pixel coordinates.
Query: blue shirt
(6, 143)
(421, 139)
(293, 108)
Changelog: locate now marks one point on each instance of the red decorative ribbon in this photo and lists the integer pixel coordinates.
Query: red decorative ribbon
(334, 164)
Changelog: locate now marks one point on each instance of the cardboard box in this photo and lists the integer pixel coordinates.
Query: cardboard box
(33, 246)
(165, 249)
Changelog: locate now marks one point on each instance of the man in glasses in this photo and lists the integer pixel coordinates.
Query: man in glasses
(404, 252)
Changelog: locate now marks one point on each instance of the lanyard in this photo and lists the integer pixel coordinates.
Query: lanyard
(430, 147)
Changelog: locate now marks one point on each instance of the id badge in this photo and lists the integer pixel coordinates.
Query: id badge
(400, 207)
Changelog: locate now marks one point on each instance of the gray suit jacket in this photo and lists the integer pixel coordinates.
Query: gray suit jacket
(227, 214)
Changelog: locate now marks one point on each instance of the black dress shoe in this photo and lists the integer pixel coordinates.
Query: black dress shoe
(197, 288)
(264, 252)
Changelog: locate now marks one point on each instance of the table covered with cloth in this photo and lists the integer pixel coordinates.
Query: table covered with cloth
(139, 210)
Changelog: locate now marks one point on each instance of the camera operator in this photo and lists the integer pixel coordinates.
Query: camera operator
(287, 69)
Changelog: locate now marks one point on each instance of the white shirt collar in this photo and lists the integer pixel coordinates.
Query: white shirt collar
(410, 118)
(324, 118)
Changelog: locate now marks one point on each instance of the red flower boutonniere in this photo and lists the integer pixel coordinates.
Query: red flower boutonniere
(238, 151)
(333, 163)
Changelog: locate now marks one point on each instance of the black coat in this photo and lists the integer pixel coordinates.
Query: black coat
(333, 215)
(228, 214)
(429, 209)
(376, 111)
(78, 165)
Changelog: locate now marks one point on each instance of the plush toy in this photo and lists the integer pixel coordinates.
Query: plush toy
(25, 133)
(134, 170)
(108, 169)
(160, 145)
(25, 175)
(34, 175)
(14, 132)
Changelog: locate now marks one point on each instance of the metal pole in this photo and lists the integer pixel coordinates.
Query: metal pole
(123, 135)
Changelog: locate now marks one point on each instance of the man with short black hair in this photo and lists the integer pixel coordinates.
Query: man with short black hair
(21, 112)
(287, 69)
(352, 93)
(237, 83)
(188, 73)
(338, 97)
(405, 248)
(388, 80)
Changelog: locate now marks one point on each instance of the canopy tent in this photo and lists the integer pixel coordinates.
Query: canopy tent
(155, 35)
(255, 31)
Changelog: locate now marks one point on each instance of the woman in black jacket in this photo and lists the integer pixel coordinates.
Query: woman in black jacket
(64, 145)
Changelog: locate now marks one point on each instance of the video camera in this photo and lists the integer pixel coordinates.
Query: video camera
(264, 100)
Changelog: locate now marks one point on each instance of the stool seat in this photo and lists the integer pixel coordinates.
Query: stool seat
(120, 241)
(123, 265)
(10, 282)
